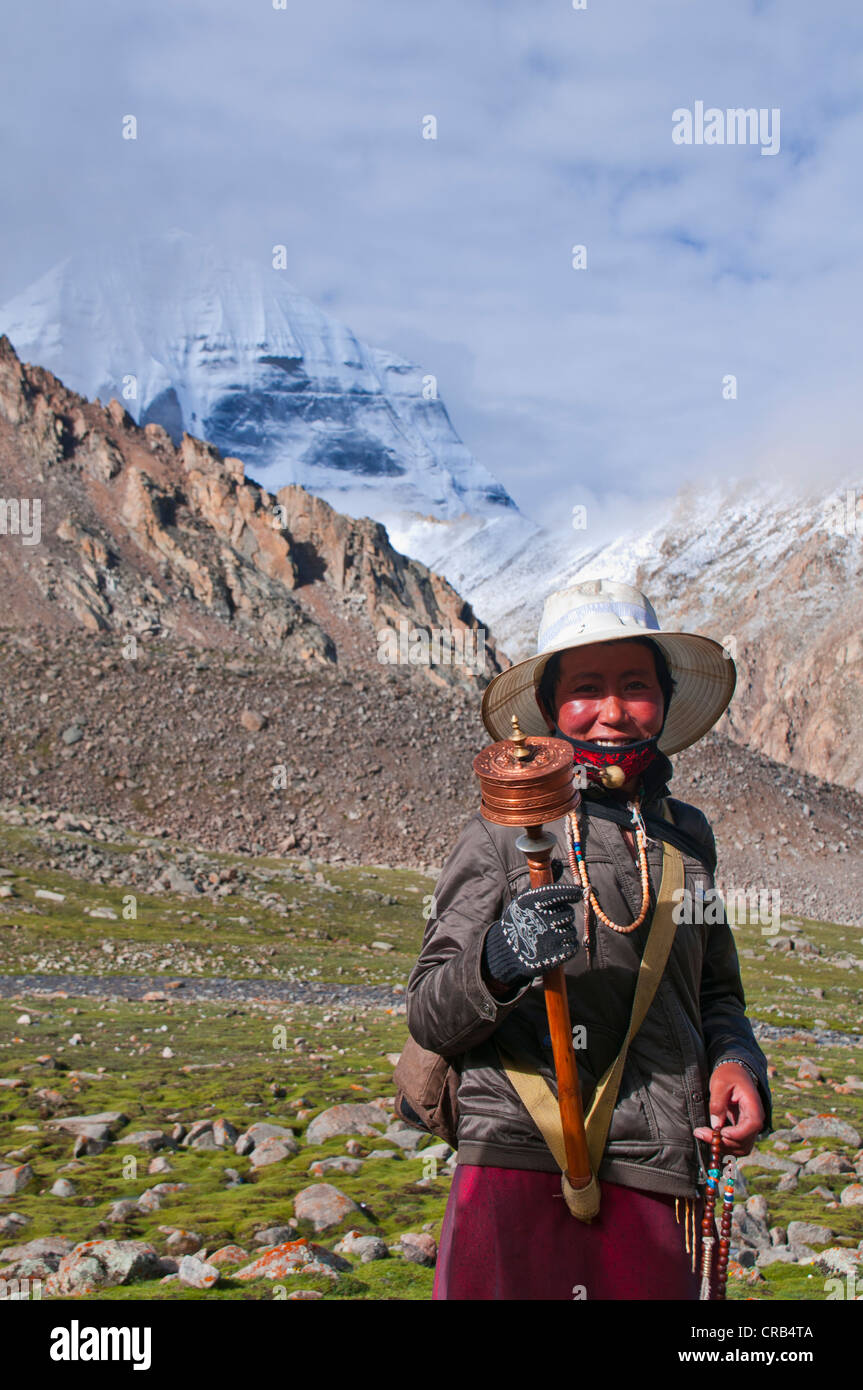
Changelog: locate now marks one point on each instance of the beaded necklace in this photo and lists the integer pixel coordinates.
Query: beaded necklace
(579, 872)
(716, 1270)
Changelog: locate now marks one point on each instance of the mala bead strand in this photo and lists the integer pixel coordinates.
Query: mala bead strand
(579, 871)
(725, 1234)
(708, 1233)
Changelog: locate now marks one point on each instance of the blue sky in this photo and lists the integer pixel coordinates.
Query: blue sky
(303, 126)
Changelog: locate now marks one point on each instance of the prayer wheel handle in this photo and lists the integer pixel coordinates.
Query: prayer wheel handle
(528, 781)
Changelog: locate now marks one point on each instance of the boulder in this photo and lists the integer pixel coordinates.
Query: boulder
(206, 1140)
(149, 1139)
(419, 1247)
(224, 1133)
(270, 1151)
(262, 1130)
(782, 1254)
(99, 1264)
(838, 1260)
(12, 1223)
(44, 1248)
(275, 1235)
(227, 1255)
(338, 1163)
(827, 1127)
(197, 1274)
(852, 1196)
(181, 1241)
(149, 1200)
(748, 1230)
(13, 1180)
(351, 1118)
(829, 1163)
(367, 1248)
(123, 1209)
(406, 1136)
(293, 1256)
(324, 1205)
(39, 1267)
(98, 1126)
(808, 1233)
(765, 1159)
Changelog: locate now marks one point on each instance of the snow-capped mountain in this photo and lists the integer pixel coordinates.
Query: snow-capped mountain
(226, 349)
(229, 352)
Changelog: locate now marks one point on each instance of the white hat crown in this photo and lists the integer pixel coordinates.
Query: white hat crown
(599, 605)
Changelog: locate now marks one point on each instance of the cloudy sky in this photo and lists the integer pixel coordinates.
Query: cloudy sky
(304, 126)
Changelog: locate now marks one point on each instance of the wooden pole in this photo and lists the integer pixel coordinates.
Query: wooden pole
(560, 1029)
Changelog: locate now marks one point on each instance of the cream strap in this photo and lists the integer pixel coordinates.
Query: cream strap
(534, 1091)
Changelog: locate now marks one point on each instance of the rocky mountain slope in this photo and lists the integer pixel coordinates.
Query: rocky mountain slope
(137, 537)
(251, 712)
(253, 755)
(192, 339)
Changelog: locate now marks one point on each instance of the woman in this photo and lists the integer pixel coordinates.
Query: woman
(623, 692)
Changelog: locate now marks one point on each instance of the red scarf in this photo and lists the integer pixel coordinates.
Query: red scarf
(633, 758)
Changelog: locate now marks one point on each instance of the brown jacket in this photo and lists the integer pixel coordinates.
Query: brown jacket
(696, 1020)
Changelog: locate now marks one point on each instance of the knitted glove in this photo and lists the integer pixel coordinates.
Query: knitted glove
(536, 931)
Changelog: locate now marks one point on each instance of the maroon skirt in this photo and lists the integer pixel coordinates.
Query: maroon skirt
(508, 1234)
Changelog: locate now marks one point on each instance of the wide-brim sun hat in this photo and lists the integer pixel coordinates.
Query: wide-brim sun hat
(604, 610)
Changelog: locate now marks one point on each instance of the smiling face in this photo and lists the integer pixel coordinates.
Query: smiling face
(608, 692)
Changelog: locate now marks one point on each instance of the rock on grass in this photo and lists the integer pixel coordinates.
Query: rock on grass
(12, 1223)
(198, 1274)
(228, 1255)
(324, 1205)
(808, 1233)
(339, 1163)
(181, 1241)
(275, 1235)
(418, 1247)
(271, 1151)
(291, 1258)
(99, 1264)
(367, 1248)
(827, 1127)
(352, 1118)
(14, 1180)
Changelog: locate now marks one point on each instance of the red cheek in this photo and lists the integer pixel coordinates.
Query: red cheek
(578, 717)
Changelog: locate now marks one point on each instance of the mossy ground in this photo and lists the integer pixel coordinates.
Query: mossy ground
(235, 1058)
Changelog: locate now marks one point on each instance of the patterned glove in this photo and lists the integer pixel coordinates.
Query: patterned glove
(536, 932)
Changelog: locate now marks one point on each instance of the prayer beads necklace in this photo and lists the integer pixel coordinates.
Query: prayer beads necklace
(579, 872)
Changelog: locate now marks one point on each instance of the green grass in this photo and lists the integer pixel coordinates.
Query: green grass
(326, 934)
(329, 918)
(154, 1092)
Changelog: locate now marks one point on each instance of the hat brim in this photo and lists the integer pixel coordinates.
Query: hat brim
(705, 678)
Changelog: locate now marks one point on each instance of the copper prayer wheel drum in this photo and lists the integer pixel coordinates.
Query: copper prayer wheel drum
(526, 780)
